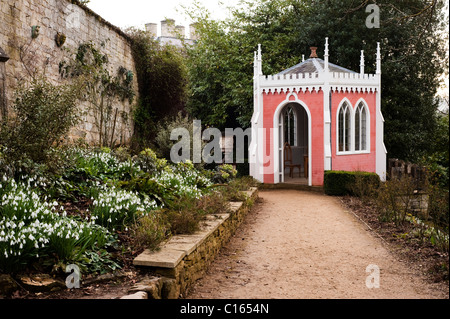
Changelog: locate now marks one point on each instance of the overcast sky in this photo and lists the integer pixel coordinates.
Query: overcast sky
(136, 13)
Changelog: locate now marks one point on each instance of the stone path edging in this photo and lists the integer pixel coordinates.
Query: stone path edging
(183, 259)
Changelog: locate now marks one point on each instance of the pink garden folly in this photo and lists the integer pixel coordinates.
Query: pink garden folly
(313, 117)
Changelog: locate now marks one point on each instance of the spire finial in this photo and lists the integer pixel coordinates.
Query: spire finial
(378, 58)
(326, 55)
(258, 61)
(362, 63)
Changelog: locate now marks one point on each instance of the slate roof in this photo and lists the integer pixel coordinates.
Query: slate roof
(314, 65)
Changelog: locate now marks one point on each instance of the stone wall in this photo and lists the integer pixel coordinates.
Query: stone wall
(184, 259)
(41, 54)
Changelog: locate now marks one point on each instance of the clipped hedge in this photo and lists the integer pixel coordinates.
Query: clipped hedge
(340, 183)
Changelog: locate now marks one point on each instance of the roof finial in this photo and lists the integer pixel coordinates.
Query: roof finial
(378, 58)
(259, 52)
(361, 65)
(313, 52)
(326, 55)
(258, 61)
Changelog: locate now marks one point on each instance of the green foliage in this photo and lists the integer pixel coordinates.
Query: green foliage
(31, 228)
(233, 191)
(43, 114)
(348, 183)
(161, 75)
(149, 161)
(438, 160)
(221, 64)
(98, 262)
(438, 212)
(151, 230)
(187, 212)
(115, 209)
(223, 173)
(77, 212)
(163, 143)
(395, 198)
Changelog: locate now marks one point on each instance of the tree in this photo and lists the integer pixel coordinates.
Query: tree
(162, 79)
(221, 72)
(220, 65)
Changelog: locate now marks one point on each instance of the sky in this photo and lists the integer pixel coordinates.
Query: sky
(136, 13)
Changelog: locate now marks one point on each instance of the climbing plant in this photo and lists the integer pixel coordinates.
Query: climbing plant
(162, 81)
(101, 88)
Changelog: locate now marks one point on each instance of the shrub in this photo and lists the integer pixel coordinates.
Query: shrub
(342, 183)
(149, 162)
(233, 191)
(163, 142)
(186, 212)
(394, 199)
(151, 230)
(43, 113)
(183, 216)
(224, 173)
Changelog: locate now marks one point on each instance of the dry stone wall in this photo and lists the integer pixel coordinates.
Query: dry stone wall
(184, 259)
(32, 53)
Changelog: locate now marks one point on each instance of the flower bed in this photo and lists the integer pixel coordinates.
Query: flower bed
(99, 208)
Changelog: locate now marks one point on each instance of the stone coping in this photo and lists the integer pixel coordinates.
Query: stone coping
(171, 253)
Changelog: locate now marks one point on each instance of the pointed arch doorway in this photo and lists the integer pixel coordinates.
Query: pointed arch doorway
(293, 143)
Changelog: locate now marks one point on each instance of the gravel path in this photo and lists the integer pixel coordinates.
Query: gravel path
(304, 245)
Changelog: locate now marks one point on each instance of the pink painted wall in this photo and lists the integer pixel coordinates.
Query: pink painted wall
(354, 162)
(314, 102)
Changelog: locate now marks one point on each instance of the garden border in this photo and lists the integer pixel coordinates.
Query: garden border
(184, 259)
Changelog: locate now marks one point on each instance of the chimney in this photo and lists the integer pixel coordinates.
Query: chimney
(167, 28)
(152, 28)
(313, 52)
(181, 30)
(192, 32)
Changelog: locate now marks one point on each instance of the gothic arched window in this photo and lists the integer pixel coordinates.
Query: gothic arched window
(361, 128)
(290, 126)
(344, 128)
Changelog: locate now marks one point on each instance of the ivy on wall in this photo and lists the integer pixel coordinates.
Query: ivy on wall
(162, 81)
(101, 89)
